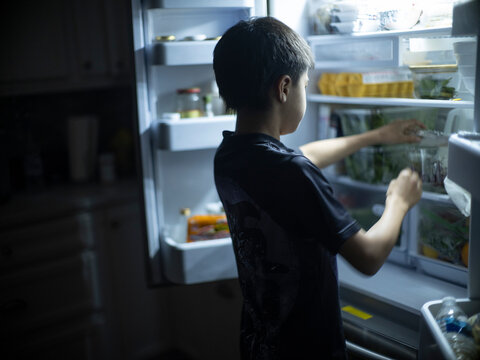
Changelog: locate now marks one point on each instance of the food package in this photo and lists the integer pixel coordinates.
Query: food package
(386, 83)
(207, 227)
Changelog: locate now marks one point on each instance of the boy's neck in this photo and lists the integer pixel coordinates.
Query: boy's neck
(257, 121)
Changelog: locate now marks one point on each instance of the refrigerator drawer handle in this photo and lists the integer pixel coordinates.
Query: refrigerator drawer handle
(358, 350)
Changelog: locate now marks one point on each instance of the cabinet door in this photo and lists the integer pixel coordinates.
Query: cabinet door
(46, 241)
(90, 37)
(42, 295)
(139, 312)
(34, 38)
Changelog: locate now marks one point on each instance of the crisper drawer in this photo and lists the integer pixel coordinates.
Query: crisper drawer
(200, 261)
(46, 241)
(439, 238)
(366, 203)
(38, 296)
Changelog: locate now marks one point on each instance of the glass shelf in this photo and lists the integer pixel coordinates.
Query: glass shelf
(345, 180)
(329, 99)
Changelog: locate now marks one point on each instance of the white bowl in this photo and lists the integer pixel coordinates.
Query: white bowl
(467, 70)
(469, 83)
(465, 59)
(465, 47)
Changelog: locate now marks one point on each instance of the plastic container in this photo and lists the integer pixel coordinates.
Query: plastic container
(453, 323)
(189, 103)
(431, 163)
(435, 81)
(377, 164)
(443, 234)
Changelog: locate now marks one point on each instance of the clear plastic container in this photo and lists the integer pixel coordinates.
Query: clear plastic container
(189, 103)
(377, 164)
(435, 81)
(455, 327)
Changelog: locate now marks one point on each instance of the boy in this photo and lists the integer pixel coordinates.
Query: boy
(285, 222)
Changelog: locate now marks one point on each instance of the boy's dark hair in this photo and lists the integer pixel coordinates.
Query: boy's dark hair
(252, 55)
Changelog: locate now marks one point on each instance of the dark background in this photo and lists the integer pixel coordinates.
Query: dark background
(63, 58)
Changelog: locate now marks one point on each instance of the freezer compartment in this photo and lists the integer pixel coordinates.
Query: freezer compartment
(201, 261)
(193, 134)
(433, 345)
(366, 204)
(440, 240)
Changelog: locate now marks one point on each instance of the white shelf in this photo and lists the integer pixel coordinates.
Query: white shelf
(186, 4)
(194, 133)
(329, 99)
(365, 50)
(190, 263)
(182, 52)
(412, 33)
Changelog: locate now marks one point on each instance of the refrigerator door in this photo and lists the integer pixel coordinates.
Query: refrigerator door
(173, 44)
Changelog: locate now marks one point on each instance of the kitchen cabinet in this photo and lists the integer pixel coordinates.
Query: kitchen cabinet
(49, 286)
(59, 45)
(138, 313)
(72, 277)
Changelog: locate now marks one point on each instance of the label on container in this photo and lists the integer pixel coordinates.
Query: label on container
(190, 114)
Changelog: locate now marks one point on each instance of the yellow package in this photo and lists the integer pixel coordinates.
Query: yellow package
(387, 83)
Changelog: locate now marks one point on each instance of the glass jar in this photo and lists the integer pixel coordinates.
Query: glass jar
(189, 103)
(435, 81)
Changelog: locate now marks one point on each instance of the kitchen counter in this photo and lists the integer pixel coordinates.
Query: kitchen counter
(64, 200)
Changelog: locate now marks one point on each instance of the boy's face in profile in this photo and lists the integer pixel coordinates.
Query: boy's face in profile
(295, 105)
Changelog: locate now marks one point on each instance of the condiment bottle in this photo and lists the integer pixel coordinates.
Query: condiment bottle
(189, 103)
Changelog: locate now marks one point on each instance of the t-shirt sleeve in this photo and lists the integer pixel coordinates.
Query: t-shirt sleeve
(322, 216)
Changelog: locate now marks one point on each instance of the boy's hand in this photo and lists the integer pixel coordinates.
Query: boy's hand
(406, 189)
(400, 131)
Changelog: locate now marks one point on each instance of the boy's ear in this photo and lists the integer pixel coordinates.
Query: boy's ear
(282, 88)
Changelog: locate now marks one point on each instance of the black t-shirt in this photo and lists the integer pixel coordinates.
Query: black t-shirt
(286, 227)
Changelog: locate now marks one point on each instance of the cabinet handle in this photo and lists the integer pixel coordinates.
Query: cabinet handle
(6, 251)
(14, 305)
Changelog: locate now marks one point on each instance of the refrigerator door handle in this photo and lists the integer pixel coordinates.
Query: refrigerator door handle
(361, 351)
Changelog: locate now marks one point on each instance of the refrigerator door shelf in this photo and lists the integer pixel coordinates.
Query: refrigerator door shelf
(183, 52)
(433, 345)
(186, 4)
(202, 261)
(194, 133)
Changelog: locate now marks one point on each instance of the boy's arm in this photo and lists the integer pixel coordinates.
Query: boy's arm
(326, 152)
(367, 251)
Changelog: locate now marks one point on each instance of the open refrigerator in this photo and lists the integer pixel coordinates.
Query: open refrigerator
(173, 44)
